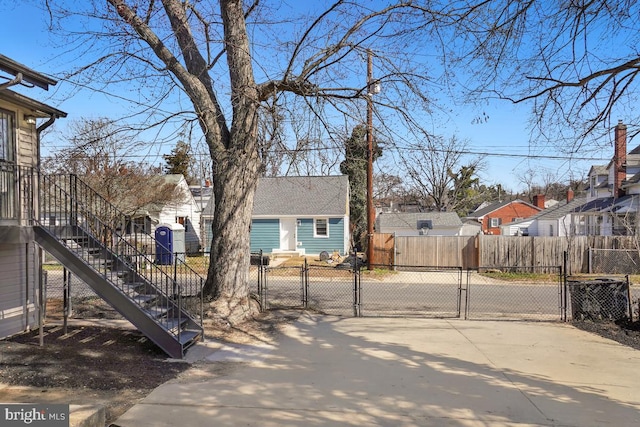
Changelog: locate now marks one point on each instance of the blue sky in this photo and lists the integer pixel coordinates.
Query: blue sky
(504, 134)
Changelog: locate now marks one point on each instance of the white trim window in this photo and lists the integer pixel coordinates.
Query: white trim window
(494, 222)
(320, 227)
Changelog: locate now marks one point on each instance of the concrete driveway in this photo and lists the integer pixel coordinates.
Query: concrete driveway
(328, 371)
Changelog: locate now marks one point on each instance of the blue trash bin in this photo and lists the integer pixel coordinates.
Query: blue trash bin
(164, 245)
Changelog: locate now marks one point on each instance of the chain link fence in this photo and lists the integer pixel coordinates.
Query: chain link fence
(614, 261)
(83, 302)
(330, 290)
(520, 293)
(510, 293)
(514, 293)
(406, 291)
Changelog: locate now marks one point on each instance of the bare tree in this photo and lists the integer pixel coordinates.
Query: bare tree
(387, 188)
(98, 152)
(432, 170)
(575, 62)
(232, 57)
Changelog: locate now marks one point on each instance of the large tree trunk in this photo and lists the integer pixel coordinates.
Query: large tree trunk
(228, 278)
(236, 165)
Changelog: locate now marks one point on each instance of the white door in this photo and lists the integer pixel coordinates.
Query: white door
(288, 234)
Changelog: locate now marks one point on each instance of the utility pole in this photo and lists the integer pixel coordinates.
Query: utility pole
(370, 213)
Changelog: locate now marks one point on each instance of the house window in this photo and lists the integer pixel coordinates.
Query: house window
(142, 224)
(184, 221)
(624, 225)
(550, 229)
(7, 135)
(494, 222)
(321, 227)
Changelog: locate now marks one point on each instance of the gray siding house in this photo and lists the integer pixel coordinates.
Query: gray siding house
(297, 215)
(419, 224)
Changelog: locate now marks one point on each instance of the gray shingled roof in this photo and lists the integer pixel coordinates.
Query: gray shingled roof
(561, 209)
(410, 220)
(299, 196)
(495, 206)
(599, 170)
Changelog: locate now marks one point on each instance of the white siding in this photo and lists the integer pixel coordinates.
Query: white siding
(18, 289)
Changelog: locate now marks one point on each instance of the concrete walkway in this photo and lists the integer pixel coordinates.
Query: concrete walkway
(327, 371)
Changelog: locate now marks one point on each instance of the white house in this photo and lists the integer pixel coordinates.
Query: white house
(613, 194)
(558, 220)
(181, 208)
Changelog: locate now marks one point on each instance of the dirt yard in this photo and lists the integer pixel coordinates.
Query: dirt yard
(112, 366)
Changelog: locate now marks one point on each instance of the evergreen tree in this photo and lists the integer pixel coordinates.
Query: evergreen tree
(355, 167)
(180, 161)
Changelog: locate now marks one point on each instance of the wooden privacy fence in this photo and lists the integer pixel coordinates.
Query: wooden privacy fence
(437, 251)
(495, 251)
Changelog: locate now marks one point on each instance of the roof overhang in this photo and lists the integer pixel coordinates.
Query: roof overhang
(37, 108)
(14, 68)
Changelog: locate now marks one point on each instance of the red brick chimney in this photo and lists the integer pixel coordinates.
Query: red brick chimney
(619, 158)
(569, 195)
(538, 200)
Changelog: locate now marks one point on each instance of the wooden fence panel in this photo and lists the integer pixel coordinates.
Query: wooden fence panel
(498, 251)
(383, 249)
(436, 251)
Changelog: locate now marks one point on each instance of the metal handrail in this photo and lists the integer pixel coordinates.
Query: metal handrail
(68, 205)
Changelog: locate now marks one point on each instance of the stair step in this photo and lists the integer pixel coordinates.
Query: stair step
(144, 298)
(174, 324)
(188, 335)
(156, 312)
(138, 288)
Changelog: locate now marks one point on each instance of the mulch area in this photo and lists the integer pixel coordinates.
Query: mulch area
(623, 331)
(112, 365)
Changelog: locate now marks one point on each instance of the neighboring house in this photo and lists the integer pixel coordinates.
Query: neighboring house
(492, 216)
(419, 224)
(470, 228)
(613, 193)
(202, 194)
(297, 215)
(182, 208)
(558, 220)
(19, 159)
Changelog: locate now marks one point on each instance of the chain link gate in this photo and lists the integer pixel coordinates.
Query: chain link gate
(540, 293)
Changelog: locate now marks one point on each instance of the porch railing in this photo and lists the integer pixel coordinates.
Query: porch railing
(16, 193)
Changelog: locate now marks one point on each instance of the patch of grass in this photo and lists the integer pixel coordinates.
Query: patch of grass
(521, 276)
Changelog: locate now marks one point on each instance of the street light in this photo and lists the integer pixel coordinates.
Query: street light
(372, 89)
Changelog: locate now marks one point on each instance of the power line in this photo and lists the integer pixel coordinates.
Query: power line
(400, 149)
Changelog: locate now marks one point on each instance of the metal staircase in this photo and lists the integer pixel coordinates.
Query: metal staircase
(85, 233)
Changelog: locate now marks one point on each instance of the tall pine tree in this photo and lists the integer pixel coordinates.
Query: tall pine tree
(180, 161)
